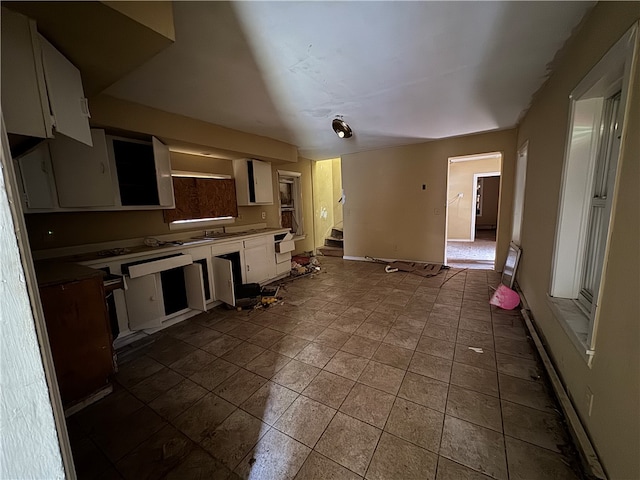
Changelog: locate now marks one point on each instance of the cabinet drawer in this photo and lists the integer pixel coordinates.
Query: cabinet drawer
(155, 266)
(283, 257)
(255, 242)
(285, 246)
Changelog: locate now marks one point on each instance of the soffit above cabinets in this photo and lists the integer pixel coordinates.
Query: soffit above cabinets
(102, 39)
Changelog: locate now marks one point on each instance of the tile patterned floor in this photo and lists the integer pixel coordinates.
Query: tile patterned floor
(358, 374)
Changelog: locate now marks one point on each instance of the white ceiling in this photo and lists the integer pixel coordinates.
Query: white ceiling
(399, 72)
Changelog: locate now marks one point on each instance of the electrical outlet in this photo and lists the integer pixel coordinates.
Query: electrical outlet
(263, 215)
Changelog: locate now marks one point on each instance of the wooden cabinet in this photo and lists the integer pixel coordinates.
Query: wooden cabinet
(41, 89)
(79, 334)
(202, 198)
(254, 182)
(83, 174)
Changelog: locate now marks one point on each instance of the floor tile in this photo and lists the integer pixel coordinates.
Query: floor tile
(245, 330)
(383, 377)
(319, 467)
(416, 424)
(192, 363)
(329, 389)
(475, 339)
(474, 407)
(401, 338)
(137, 370)
(289, 345)
(518, 367)
(156, 384)
(424, 390)
(449, 470)
(268, 363)
(175, 401)
(532, 394)
(520, 348)
(296, 375)
(349, 442)
(266, 337)
(515, 332)
(234, 438)
(361, 346)
(534, 426)
(386, 319)
(308, 331)
(368, 404)
(156, 456)
(373, 331)
(397, 458)
(305, 420)
(474, 378)
(221, 345)
(199, 465)
(393, 356)
(474, 325)
(430, 366)
(173, 352)
(275, 456)
(527, 461)
(483, 359)
(243, 354)
(88, 460)
(316, 354)
(240, 386)
(332, 338)
(199, 420)
(215, 373)
(436, 347)
(346, 365)
(441, 332)
(269, 402)
(476, 447)
(346, 324)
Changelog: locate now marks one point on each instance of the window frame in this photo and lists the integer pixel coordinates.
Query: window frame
(583, 146)
(296, 193)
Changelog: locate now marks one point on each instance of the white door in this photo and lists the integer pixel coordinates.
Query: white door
(223, 280)
(194, 284)
(83, 174)
(263, 181)
(37, 178)
(256, 264)
(145, 306)
(518, 194)
(66, 96)
(163, 173)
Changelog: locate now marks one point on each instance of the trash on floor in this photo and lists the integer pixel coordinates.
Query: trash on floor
(304, 265)
(417, 268)
(476, 349)
(505, 298)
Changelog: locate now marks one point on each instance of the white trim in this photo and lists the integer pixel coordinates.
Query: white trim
(183, 173)
(480, 156)
(519, 190)
(287, 173)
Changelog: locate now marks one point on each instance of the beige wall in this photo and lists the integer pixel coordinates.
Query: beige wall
(614, 378)
(460, 210)
(388, 215)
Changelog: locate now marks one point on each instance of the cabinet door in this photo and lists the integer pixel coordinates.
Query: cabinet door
(79, 335)
(223, 280)
(66, 96)
(163, 173)
(25, 107)
(256, 264)
(263, 182)
(145, 306)
(83, 175)
(195, 287)
(37, 178)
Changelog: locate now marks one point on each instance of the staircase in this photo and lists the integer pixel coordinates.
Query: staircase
(333, 245)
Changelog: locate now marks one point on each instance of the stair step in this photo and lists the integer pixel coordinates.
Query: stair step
(331, 251)
(337, 233)
(334, 242)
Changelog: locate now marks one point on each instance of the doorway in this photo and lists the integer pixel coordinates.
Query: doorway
(473, 193)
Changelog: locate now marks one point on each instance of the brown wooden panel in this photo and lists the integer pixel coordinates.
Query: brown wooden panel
(79, 335)
(287, 219)
(217, 197)
(186, 195)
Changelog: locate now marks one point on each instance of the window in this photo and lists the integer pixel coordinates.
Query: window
(588, 190)
(290, 201)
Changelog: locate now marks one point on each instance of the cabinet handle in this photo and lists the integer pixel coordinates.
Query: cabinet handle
(102, 167)
(84, 107)
(248, 268)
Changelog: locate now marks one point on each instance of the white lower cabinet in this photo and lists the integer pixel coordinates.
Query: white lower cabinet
(145, 306)
(223, 280)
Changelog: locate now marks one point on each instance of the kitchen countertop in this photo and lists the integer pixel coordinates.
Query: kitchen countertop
(55, 272)
(105, 256)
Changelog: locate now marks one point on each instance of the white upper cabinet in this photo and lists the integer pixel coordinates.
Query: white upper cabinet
(83, 174)
(41, 89)
(66, 96)
(254, 182)
(25, 106)
(36, 177)
(163, 173)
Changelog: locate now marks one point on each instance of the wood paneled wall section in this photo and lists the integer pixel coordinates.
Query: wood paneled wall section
(202, 198)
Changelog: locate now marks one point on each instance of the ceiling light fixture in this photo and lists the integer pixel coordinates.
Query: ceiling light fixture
(341, 128)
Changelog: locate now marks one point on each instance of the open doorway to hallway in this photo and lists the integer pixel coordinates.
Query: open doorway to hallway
(473, 192)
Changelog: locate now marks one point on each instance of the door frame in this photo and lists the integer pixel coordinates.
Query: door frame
(476, 176)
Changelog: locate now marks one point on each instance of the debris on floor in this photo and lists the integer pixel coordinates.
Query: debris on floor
(505, 298)
(417, 268)
(304, 265)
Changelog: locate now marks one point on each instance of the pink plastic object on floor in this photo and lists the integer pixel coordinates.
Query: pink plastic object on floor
(505, 298)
